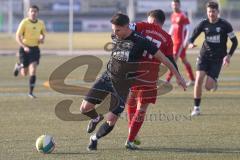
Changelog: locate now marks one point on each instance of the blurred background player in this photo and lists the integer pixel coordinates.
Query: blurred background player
(213, 52)
(141, 96)
(180, 32)
(30, 33)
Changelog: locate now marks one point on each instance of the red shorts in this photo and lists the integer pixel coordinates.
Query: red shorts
(179, 51)
(143, 94)
(145, 90)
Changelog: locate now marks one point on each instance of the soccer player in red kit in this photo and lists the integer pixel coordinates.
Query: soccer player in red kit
(140, 97)
(180, 33)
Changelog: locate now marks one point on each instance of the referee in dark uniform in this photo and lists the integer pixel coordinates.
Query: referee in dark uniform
(213, 52)
(117, 79)
(30, 33)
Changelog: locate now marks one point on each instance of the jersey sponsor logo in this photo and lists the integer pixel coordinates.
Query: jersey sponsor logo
(122, 50)
(121, 55)
(218, 29)
(213, 39)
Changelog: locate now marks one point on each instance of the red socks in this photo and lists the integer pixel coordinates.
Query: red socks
(135, 125)
(131, 109)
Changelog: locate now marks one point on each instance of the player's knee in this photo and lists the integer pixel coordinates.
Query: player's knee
(112, 119)
(24, 73)
(86, 106)
(208, 87)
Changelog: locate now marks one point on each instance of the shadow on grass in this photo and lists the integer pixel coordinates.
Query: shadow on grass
(75, 153)
(192, 150)
(220, 114)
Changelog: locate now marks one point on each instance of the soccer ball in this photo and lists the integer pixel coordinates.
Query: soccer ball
(45, 144)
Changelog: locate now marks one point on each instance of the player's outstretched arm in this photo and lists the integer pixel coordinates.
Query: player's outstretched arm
(160, 56)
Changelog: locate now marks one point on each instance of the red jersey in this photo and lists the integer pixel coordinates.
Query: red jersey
(179, 22)
(163, 41)
(147, 92)
(157, 35)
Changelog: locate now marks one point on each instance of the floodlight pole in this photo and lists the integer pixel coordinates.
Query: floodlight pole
(10, 17)
(131, 10)
(70, 33)
(26, 5)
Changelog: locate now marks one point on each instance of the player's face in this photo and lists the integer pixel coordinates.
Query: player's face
(212, 14)
(121, 32)
(32, 13)
(175, 6)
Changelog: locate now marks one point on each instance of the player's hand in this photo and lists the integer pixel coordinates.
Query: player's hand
(26, 49)
(181, 82)
(226, 60)
(41, 40)
(191, 45)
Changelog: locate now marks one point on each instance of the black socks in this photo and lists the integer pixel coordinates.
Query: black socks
(92, 114)
(197, 101)
(32, 81)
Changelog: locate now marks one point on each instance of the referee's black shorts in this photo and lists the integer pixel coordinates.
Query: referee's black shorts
(27, 58)
(104, 86)
(212, 67)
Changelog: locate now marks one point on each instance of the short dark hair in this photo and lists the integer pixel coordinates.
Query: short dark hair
(177, 1)
(212, 4)
(120, 19)
(158, 14)
(35, 7)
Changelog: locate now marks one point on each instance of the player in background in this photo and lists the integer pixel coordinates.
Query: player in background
(213, 52)
(140, 97)
(180, 33)
(30, 33)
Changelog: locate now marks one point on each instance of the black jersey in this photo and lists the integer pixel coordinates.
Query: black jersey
(126, 53)
(216, 36)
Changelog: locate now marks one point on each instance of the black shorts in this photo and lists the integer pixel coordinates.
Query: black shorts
(210, 66)
(105, 86)
(28, 58)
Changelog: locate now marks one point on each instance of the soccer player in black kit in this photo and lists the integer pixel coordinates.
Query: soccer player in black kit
(117, 79)
(213, 52)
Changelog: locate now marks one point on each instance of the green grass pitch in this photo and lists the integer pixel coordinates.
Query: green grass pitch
(213, 135)
(81, 40)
